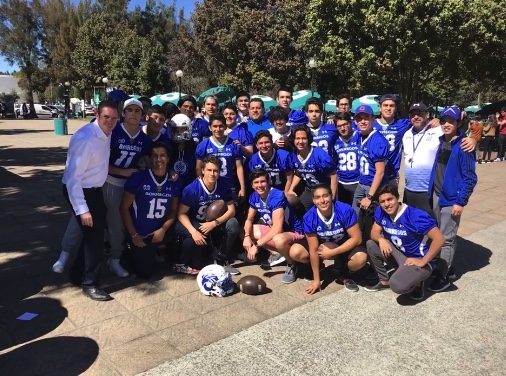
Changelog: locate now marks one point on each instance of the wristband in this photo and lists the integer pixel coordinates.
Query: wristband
(217, 222)
(247, 236)
(368, 196)
(134, 235)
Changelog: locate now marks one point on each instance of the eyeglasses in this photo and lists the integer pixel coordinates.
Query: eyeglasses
(446, 120)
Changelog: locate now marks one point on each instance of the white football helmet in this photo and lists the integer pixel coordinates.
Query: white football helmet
(180, 128)
(214, 280)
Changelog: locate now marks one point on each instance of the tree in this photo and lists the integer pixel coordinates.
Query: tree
(20, 36)
(98, 41)
(415, 49)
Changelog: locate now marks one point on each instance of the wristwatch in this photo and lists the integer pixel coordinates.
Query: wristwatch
(368, 196)
(217, 222)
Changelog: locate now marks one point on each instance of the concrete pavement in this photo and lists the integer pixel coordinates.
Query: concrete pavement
(150, 323)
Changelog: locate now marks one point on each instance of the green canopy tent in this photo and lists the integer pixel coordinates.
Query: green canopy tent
(300, 97)
(222, 93)
(169, 97)
(331, 105)
(369, 100)
(268, 101)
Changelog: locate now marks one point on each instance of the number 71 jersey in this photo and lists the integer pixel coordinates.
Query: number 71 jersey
(126, 151)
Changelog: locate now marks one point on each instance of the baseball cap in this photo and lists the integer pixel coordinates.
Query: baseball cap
(118, 95)
(388, 97)
(419, 106)
(132, 101)
(452, 112)
(364, 109)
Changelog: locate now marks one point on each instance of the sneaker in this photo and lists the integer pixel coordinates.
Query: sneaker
(439, 284)
(489, 162)
(290, 274)
(418, 292)
(116, 268)
(59, 266)
(497, 160)
(377, 287)
(349, 284)
(244, 258)
(274, 259)
(184, 269)
(451, 274)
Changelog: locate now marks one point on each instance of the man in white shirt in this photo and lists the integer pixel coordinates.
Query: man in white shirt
(85, 173)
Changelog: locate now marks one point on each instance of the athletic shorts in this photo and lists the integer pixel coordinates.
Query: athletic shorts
(264, 229)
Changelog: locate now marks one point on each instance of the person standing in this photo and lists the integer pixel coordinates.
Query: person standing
(475, 131)
(501, 128)
(489, 131)
(452, 182)
(85, 173)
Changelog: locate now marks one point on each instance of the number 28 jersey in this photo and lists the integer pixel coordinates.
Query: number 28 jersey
(346, 154)
(152, 202)
(333, 229)
(408, 230)
(197, 197)
(315, 168)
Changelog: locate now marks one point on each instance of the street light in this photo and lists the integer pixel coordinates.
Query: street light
(67, 98)
(179, 75)
(105, 80)
(312, 66)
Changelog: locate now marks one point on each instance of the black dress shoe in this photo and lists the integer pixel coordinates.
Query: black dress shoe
(96, 294)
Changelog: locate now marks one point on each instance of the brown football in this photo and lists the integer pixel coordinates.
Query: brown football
(215, 210)
(252, 285)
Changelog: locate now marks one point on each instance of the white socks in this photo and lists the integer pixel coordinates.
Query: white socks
(116, 268)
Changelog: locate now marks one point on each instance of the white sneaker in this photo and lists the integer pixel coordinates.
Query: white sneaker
(116, 268)
(497, 160)
(59, 266)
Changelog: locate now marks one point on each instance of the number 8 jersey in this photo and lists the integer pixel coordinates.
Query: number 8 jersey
(408, 230)
(152, 202)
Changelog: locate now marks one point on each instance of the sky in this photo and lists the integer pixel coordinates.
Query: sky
(188, 6)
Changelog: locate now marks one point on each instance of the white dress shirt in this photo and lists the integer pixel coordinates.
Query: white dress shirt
(87, 164)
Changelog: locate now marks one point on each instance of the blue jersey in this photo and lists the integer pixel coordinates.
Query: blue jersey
(346, 153)
(393, 133)
(315, 168)
(324, 137)
(165, 140)
(371, 150)
(183, 163)
(333, 229)
(197, 197)
(200, 129)
(408, 230)
(239, 132)
(153, 200)
(276, 166)
(275, 200)
(228, 153)
(254, 128)
(126, 151)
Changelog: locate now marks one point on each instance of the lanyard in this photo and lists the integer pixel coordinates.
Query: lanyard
(416, 146)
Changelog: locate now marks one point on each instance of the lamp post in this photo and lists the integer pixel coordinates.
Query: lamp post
(105, 80)
(312, 66)
(179, 75)
(67, 97)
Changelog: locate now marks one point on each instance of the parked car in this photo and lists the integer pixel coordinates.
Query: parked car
(54, 111)
(17, 109)
(43, 111)
(89, 111)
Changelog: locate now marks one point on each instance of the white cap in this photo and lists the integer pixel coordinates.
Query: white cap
(180, 120)
(131, 101)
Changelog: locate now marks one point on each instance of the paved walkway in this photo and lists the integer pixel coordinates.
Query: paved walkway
(150, 323)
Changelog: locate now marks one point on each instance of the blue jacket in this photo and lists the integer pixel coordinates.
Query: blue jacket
(459, 178)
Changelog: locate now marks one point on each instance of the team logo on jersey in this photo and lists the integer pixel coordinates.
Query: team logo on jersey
(319, 228)
(383, 222)
(159, 188)
(146, 187)
(180, 167)
(121, 141)
(257, 205)
(209, 150)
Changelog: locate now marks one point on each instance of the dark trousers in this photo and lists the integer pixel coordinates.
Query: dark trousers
(346, 192)
(487, 142)
(143, 260)
(219, 243)
(502, 143)
(419, 200)
(87, 263)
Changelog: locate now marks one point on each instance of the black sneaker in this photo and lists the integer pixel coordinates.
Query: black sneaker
(418, 292)
(349, 284)
(451, 274)
(377, 287)
(439, 284)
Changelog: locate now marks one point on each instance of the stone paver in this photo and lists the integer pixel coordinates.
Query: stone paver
(148, 323)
